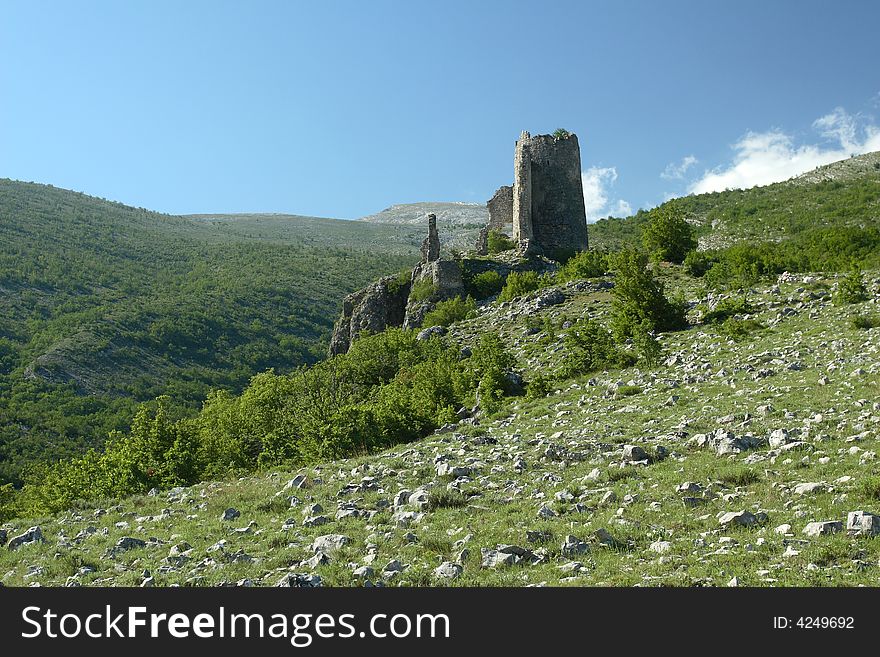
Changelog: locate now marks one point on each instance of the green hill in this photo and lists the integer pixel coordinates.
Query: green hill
(604, 422)
(104, 305)
(838, 195)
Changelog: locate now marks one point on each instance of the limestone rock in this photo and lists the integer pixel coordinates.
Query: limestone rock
(32, 535)
(823, 528)
(861, 523)
(300, 580)
(448, 570)
(329, 543)
(373, 308)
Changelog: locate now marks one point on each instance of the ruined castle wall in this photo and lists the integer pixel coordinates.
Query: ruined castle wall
(548, 197)
(522, 190)
(501, 208)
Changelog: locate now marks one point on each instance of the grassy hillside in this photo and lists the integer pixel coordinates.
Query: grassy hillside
(776, 427)
(103, 306)
(845, 193)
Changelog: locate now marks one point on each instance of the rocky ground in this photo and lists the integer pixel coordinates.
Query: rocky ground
(748, 462)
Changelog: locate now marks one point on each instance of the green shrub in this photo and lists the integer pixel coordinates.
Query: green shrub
(486, 284)
(739, 329)
(450, 311)
(628, 391)
(444, 499)
(400, 282)
(648, 348)
(851, 289)
(667, 235)
(498, 242)
(725, 309)
(8, 502)
(697, 263)
(488, 366)
(638, 297)
(864, 322)
(586, 264)
(561, 133)
(539, 386)
(520, 283)
(589, 347)
(422, 290)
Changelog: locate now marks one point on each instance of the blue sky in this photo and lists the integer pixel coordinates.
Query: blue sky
(341, 109)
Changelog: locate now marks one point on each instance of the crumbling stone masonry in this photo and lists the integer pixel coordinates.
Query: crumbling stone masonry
(547, 196)
(501, 208)
(431, 244)
(386, 303)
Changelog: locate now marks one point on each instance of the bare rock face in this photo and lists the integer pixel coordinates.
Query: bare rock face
(374, 308)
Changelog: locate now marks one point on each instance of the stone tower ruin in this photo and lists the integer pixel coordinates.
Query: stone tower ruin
(548, 195)
(546, 203)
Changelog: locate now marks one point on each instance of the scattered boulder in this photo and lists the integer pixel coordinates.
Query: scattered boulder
(861, 523)
(329, 543)
(32, 535)
(634, 454)
(496, 558)
(810, 488)
(738, 518)
(230, 514)
(448, 570)
(573, 545)
(300, 580)
(823, 528)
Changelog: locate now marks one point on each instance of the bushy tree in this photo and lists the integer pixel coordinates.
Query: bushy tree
(668, 236)
(486, 284)
(587, 264)
(638, 297)
(447, 312)
(589, 347)
(521, 282)
(498, 242)
(852, 288)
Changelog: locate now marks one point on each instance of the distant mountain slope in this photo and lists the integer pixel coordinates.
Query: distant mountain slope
(458, 223)
(458, 214)
(103, 305)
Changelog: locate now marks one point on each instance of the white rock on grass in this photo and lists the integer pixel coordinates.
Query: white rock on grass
(329, 543)
(823, 528)
(739, 518)
(862, 523)
(32, 535)
(448, 570)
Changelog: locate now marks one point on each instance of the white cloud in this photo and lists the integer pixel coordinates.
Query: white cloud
(596, 182)
(762, 158)
(675, 171)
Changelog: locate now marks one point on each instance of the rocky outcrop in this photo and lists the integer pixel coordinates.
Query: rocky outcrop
(374, 308)
(446, 280)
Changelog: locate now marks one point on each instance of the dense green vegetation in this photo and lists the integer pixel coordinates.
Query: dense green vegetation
(103, 306)
(498, 242)
(447, 312)
(106, 307)
(668, 236)
(389, 388)
(640, 303)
